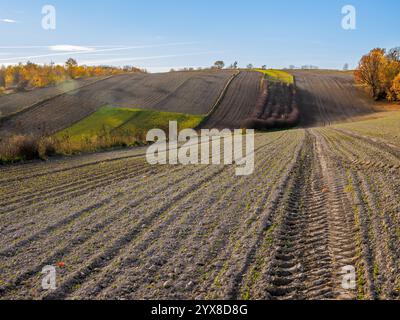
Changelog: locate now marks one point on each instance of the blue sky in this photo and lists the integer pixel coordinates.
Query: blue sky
(163, 34)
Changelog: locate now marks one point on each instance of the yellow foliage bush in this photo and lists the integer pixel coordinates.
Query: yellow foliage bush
(395, 89)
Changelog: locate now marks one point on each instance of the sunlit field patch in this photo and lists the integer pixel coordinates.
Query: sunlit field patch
(112, 127)
(277, 75)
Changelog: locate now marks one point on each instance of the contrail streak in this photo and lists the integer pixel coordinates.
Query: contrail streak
(148, 57)
(94, 51)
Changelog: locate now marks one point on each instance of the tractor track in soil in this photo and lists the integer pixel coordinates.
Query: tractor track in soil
(373, 183)
(309, 242)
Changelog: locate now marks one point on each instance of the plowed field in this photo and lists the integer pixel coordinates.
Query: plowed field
(238, 103)
(327, 97)
(183, 92)
(320, 199)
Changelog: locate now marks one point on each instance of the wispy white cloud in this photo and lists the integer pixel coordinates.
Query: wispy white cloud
(48, 47)
(65, 53)
(106, 54)
(131, 59)
(70, 48)
(8, 21)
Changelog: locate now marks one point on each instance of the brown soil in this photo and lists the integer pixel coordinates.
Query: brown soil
(276, 108)
(318, 200)
(16, 102)
(329, 97)
(238, 103)
(186, 92)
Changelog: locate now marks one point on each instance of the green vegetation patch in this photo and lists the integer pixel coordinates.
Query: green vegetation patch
(106, 128)
(116, 121)
(148, 119)
(105, 119)
(277, 75)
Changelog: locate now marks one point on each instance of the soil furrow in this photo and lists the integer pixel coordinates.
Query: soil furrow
(173, 246)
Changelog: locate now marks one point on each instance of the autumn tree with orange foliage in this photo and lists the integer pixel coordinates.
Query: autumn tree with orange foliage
(378, 71)
(369, 71)
(395, 89)
(31, 75)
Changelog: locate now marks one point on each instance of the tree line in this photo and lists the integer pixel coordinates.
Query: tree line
(379, 71)
(30, 75)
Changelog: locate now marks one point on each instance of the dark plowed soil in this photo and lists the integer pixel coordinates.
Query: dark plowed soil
(276, 108)
(326, 97)
(186, 92)
(319, 200)
(13, 103)
(239, 102)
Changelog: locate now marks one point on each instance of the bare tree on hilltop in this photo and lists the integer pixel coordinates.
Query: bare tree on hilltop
(70, 63)
(234, 65)
(219, 64)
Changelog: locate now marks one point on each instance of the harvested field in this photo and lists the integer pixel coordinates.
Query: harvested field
(183, 92)
(328, 97)
(123, 229)
(321, 199)
(238, 103)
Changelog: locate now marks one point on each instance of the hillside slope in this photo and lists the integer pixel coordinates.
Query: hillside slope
(183, 92)
(326, 97)
(16, 102)
(238, 103)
